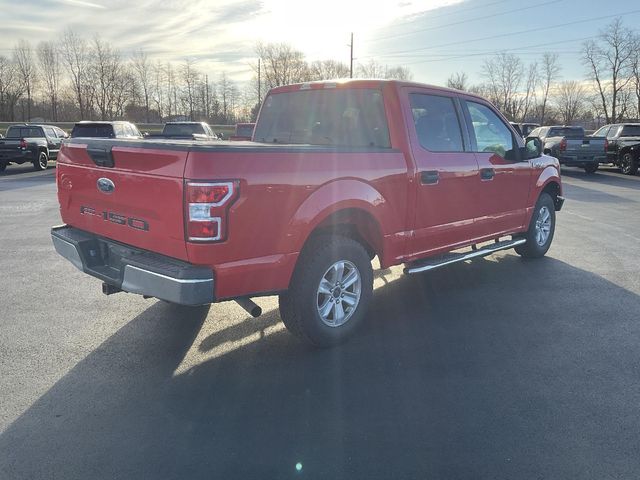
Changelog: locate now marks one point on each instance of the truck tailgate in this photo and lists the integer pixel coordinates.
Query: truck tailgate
(131, 192)
(587, 146)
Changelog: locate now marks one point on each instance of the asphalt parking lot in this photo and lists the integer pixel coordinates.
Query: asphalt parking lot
(496, 369)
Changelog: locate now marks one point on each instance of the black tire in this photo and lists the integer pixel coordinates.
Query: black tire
(534, 248)
(299, 306)
(628, 164)
(41, 163)
(591, 168)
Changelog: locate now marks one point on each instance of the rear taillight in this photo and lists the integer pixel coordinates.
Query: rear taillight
(563, 144)
(23, 144)
(606, 145)
(206, 208)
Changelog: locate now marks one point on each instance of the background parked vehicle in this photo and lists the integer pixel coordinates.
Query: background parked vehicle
(571, 147)
(29, 143)
(185, 131)
(244, 131)
(116, 129)
(524, 129)
(623, 145)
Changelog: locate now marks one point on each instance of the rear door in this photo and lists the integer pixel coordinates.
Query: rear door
(128, 191)
(504, 181)
(446, 177)
(53, 142)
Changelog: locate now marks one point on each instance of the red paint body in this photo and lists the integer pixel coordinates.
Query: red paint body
(287, 191)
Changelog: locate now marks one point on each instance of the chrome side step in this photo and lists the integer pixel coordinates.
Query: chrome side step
(449, 258)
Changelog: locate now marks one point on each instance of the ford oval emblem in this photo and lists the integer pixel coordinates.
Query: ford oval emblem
(105, 185)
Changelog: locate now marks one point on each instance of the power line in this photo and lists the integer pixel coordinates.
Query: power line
(503, 35)
(475, 19)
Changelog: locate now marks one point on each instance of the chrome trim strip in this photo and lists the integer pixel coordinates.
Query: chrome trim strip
(165, 277)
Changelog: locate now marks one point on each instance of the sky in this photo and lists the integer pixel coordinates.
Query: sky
(433, 38)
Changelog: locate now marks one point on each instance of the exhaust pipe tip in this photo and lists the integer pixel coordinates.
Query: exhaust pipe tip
(249, 306)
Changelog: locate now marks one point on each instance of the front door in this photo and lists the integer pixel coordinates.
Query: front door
(505, 180)
(446, 177)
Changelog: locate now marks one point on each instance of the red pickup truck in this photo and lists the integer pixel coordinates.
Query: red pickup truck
(338, 173)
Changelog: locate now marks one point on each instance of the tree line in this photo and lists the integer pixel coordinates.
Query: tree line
(609, 92)
(77, 78)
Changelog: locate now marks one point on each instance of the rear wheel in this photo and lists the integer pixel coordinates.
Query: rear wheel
(41, 163)
(628, 164)
(591, 168)
(541, 229)
(330, 291)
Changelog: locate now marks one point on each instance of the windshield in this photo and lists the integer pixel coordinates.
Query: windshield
(569, 132)
(182, 129)
(93, 131)
(344, 117)
(24, 132)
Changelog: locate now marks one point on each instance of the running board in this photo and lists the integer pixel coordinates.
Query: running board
(449, 258)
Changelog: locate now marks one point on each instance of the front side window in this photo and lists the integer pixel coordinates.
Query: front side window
(50, 132)
(436, 122)
(492, 135)
(535, 132)
(613, 133)
(349, 117)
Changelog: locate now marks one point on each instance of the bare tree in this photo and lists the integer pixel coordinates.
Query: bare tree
(458, 80)
(328, 70)
(158, 90)
(11, 88)
(49, 59)
(503, 74)
(282, 64)
(635, 73)
(609, 62)
(26, 66)
(75, 54)
(549, 74)
(527, 100)
(143, 71)
(570, 99)
(107, 72)
(190, 79)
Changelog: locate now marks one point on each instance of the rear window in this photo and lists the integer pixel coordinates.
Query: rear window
(569, 132)
(24, 132)
(342, 117)
(630, 131)
(182, 130)
(94, 131)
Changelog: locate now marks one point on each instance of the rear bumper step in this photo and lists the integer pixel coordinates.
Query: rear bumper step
(450, 258)
(134, 270)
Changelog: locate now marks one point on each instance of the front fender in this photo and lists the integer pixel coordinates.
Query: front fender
(333, 197)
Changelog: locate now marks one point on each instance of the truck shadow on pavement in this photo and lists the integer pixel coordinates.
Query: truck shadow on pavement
(496, 369)
(615, 179)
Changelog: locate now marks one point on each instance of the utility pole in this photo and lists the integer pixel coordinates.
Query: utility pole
(207, 96)
(259, 85)
(351, 58)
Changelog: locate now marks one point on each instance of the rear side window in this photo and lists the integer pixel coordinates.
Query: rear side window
(24, 132)
(630, 131)
(436, 121)
(342, 117)
(93, 131)
(602, 132)
(569, 132)
(492, 135)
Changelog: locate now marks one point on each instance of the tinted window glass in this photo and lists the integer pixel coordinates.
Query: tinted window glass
(569, 132)
(436, 123)
(182, 129)
(535, 132)
(347, 117)
(24, 132)
(95, 131)
(50, 132)
(615, 130)
(630, 131)
(492, 135)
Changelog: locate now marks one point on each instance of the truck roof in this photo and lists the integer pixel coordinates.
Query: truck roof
(364, 83)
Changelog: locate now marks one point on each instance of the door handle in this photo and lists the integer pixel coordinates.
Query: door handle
(429, 177)
(487, 173)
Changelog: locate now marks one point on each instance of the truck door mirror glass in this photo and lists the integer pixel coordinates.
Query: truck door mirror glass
(533, 148)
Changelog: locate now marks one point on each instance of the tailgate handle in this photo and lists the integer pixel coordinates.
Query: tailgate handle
(487, 173)
(429, 177)
(101, 156)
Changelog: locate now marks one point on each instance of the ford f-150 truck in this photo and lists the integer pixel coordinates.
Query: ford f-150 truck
(337, 173)
(571, 147)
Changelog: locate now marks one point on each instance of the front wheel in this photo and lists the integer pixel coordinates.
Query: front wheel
(330, 291)
(42, 162)
(591, 168)
(628, 164)
(541, 229)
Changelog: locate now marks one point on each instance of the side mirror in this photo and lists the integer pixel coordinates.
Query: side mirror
(533, 148)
